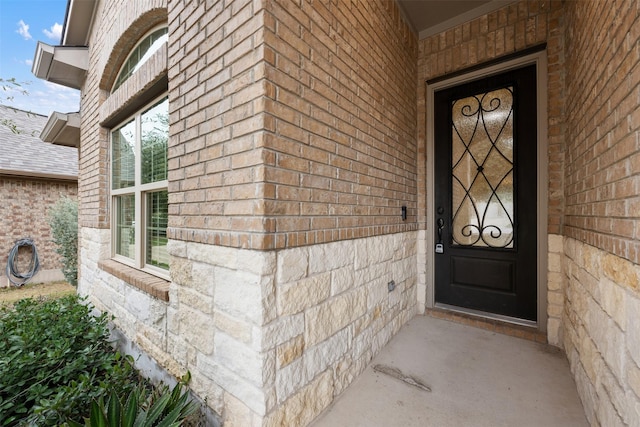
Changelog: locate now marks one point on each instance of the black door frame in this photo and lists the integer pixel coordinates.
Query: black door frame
(540, 60)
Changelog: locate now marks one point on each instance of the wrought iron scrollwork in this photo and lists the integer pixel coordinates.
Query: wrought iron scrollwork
(482, 170)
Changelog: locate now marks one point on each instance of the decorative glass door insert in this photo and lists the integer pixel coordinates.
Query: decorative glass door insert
(483, 169)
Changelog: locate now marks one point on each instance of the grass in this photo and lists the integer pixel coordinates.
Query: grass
(9, 295)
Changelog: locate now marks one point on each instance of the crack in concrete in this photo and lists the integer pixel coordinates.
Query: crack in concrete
(397, 374)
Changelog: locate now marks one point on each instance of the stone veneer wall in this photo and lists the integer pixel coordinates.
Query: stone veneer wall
(602, 340)
(270, 338)
(25, 213)
(602, 221)
(506, 31)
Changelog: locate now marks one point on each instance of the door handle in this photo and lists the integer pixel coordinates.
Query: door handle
(439, 245)
(440, 228)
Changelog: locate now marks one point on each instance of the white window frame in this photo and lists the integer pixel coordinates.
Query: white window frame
(139, 191)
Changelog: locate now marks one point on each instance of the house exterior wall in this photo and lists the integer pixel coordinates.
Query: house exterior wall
(25, 214)
(602, 221)
(291, 151)
(508, 30)
(301, 129)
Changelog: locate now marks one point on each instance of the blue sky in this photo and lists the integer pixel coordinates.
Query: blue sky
(22, 24)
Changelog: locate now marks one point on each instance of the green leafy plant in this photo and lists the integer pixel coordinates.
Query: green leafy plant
(55, 359)
(160, 408)
(63, 220)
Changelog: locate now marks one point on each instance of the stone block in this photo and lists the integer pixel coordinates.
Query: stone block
(177, 248)
(555, 242)
(239, 358)
(633, 333)
(555, 281)
(298, 296)
(203, 278)
(256, 262)
(234, 327)
(180, 269)
(554, 262)
(197, 329)
(342, 280)
(305, 405)
(279, 331)
(289, 379)
(289, 351)
(633, 378)
(334, 314)
(251, 394)
(621, 271)
(325, 354)
(195, 300)
(330, 256)
(553, 332)
(613, 299)
(237, 414)
(292, 264)
(612, 386)
(239, 294)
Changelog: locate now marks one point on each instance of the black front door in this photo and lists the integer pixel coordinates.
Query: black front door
(485, 195)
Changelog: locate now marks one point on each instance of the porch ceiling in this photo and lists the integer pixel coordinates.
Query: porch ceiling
(430, 17)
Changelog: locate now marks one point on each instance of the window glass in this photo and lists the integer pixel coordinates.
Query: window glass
(155, 136)
(141, 54)
(125, 225)
(157, 213)
(123, 145)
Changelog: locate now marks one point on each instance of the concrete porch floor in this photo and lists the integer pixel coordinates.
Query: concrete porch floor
(477, 378)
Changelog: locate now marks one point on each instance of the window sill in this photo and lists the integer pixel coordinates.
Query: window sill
(153, 285)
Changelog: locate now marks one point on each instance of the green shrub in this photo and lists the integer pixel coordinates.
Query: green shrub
(161, 407)
(63, 220)
(55, 359)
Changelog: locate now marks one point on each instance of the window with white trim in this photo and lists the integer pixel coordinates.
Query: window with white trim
(139, 188)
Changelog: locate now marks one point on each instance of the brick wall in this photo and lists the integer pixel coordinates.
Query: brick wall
(24, 213)
(602, 222)
(603, 124)
(296, 124)
(118, 27)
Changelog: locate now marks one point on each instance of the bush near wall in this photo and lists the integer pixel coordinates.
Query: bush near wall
(57, 367)
(63, 220)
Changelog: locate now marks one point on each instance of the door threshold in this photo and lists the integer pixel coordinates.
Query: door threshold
(506, 325)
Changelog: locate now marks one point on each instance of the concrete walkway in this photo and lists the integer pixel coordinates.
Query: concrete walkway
(477, 378)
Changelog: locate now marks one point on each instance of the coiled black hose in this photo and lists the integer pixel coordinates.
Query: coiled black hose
(15, 277)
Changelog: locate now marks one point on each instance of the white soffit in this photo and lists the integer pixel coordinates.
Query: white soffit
(64, 65)
(429, 17)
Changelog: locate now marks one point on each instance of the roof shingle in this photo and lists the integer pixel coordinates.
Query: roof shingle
(26, 154)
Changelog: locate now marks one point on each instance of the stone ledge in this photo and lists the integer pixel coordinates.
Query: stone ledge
(154, 286)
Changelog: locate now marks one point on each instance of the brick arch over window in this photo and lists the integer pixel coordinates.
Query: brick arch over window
(127, 41)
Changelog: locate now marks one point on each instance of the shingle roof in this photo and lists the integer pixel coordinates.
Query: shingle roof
(26, 154)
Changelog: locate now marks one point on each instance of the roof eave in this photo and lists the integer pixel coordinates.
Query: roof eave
(37, 175)
(62, 129)
(77, 22)
(64, 65)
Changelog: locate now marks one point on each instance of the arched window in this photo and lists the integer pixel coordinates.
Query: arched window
(140, 54)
